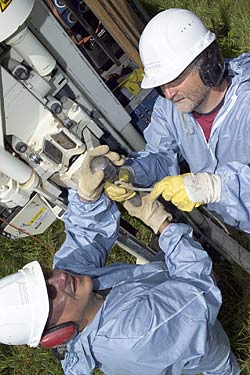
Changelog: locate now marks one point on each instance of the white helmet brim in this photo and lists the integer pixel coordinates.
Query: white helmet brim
(24, 306)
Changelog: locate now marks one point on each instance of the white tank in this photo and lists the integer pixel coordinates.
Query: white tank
(13, 14)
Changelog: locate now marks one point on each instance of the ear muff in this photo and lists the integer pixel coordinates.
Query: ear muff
(59, 335)
(159, 90)
(213, 67)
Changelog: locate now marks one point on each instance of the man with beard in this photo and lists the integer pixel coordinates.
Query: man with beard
(202, 117)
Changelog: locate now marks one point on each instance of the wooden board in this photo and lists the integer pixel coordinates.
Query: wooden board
(121, 22)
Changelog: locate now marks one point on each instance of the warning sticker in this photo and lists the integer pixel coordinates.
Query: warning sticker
(4, 4)
(38, 218)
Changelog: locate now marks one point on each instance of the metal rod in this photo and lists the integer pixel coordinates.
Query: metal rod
(2, 113)
(132, 245)
(14, 168)
(139, 10)
(219, 240)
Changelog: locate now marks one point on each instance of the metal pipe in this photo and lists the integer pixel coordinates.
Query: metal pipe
(33, 52)
(14, 168)
(2, 113)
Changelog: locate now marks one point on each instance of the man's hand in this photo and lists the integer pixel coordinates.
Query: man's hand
(91, 183)
(189, 190)
(119, 193)
(151, 213)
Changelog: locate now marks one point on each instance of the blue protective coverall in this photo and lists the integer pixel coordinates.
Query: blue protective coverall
(158, 318)
(172, 135)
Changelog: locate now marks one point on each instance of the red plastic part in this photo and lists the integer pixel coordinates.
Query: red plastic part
(58, 335)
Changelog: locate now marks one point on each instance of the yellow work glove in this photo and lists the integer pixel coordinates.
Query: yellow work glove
(189, 190)
(90, 184)
(151, 213)
(119, 193)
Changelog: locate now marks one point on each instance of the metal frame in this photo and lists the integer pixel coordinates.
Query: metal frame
(76, 66)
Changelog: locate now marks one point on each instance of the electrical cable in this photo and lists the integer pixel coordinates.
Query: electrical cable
(51, 249)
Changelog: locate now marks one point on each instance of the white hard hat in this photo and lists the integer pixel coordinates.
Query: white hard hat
(24, 306)
(169, 43)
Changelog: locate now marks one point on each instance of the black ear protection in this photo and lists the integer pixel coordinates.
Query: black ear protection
(59, 335)
(159, 90)
(212, 67)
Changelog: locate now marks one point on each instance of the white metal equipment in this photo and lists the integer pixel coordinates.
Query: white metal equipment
(54, 106)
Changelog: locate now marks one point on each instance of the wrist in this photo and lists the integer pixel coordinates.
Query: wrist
(87, 196)
(163, 226)
(216, 185)
(86, 199)
(159, 220)
(202, 187)
(83, 199)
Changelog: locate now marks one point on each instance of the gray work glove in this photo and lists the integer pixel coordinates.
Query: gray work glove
(151, 213)
(90, 184)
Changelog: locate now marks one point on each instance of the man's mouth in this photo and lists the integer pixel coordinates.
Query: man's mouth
(72, 284)
(178, 100)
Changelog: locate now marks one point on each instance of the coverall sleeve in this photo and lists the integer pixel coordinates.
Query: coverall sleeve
(188, 262)
(91, 231)
(161, 155)
(235, 195)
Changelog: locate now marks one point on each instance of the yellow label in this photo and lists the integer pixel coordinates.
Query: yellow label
(37, 216)
(4, 4)
(133, 82)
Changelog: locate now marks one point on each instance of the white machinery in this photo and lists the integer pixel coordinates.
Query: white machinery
(54, 106)
(62, 91)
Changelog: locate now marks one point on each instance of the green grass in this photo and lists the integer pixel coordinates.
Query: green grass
(235, 312)
(229, 19)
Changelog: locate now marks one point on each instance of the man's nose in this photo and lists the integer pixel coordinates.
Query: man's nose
(168, 91)
(58, 279)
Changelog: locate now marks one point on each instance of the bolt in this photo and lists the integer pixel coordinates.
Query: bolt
(35, 158)
(21, 74)
(4, 188)
(56, 108)
(21, 147)
(75, 107)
